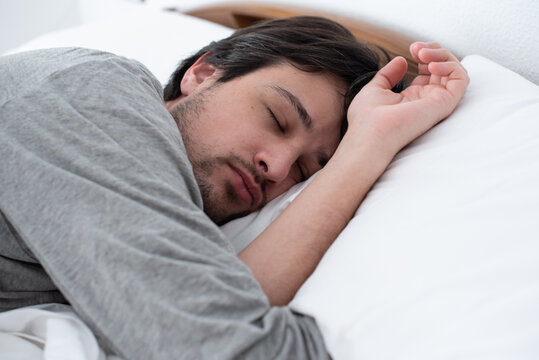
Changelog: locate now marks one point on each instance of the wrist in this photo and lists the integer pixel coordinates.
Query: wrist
(359, 151)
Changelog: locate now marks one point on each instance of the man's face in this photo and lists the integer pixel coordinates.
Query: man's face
(250, 139)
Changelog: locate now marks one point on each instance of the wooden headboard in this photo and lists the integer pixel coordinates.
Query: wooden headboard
(238, 15)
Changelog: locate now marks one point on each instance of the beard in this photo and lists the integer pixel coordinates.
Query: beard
(220, 205)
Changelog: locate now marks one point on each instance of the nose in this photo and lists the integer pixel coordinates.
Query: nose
(276, 164)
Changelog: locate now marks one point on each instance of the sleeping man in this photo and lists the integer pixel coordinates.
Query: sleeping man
(112, 193)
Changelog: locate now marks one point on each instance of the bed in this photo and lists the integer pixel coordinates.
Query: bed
(441, 260)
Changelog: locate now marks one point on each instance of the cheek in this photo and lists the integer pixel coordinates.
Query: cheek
(231, 124)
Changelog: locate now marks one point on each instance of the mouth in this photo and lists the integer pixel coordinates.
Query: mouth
(246, 188)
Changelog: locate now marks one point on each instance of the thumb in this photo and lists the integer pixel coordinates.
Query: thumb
(388, 76)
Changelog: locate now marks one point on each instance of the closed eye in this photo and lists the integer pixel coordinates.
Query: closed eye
(272, 115)
(282, 130)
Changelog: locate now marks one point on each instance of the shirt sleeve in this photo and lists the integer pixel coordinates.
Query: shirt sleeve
(96, 182)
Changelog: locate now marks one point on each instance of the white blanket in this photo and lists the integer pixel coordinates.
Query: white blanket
(50, 332)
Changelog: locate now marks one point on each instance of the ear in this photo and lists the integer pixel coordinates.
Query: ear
(199, 72)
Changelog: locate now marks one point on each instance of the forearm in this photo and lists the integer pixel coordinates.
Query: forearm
(288, 251)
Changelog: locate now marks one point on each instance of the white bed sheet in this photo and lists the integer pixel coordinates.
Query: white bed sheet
(49, 332)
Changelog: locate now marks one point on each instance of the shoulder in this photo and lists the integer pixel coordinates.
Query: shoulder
(97, 65)
(95, 114)
(66, 57)
(66, 69)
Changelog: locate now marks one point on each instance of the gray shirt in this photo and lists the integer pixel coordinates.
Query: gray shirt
(99, 206)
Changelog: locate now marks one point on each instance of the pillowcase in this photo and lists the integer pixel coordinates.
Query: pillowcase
(441, 260)
(158, 39)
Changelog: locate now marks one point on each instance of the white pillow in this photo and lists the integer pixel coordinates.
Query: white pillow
(158, 39)
(441, 260)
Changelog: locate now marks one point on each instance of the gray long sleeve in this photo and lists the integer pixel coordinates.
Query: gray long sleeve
(97, 191)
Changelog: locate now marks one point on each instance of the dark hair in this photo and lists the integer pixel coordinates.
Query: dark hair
(310, 43)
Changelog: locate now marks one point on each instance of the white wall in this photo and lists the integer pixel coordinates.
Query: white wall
(22, 20)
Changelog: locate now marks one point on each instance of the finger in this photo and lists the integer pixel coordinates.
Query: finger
(432, 45)
(426, 76)
(448, 68)
(414, 50)
(427, 55)
(416, 47)
(388, 76)
(456, 76)
(423, 69)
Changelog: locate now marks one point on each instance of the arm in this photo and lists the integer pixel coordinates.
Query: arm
(381, 123)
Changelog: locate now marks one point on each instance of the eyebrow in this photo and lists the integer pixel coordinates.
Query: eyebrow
(292, 99)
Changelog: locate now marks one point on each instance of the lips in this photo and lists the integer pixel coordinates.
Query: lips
(246, 188)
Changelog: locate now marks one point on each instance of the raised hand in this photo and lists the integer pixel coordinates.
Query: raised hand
(396, 119)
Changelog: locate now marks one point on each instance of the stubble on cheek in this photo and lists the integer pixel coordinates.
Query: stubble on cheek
(221, 202)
